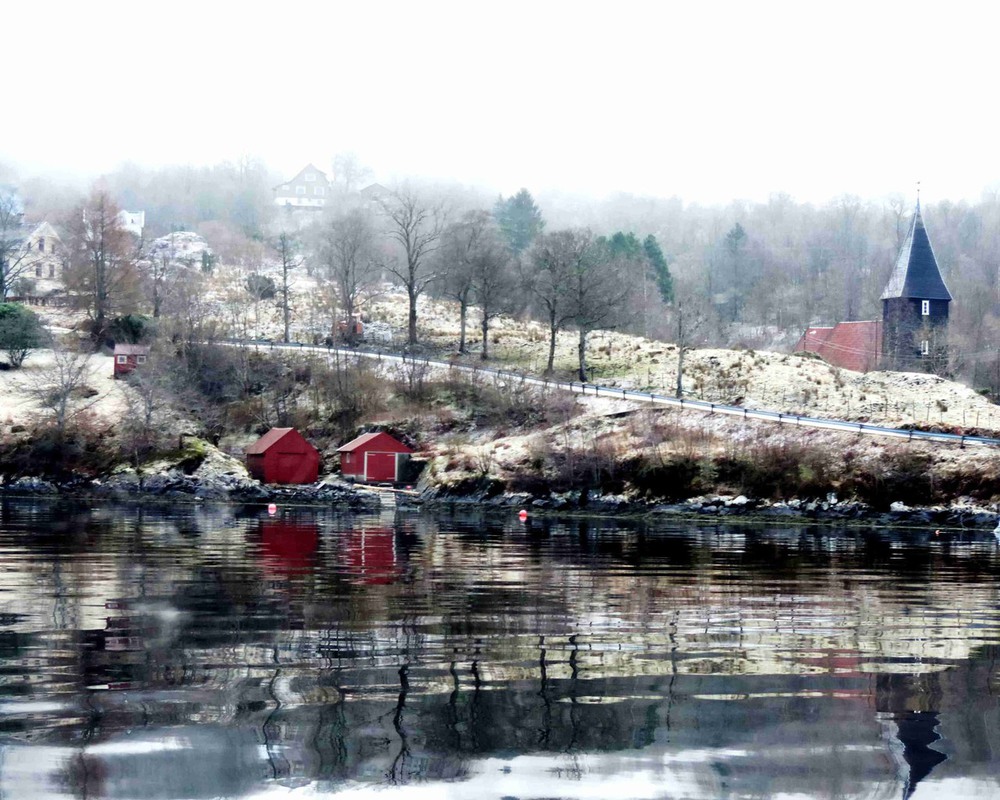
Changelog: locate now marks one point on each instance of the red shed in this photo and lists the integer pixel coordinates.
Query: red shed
(374, 457)
(128, 357)
(282, 455)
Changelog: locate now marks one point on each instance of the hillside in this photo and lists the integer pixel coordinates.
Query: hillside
(488, 439)
(791, 383)
(797, 384)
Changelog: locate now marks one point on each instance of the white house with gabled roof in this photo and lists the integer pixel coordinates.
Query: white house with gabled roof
(309, 189)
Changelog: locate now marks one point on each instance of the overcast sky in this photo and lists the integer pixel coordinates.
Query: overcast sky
(706, 101)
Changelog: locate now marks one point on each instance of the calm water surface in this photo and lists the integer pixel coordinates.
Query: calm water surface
(217, 652)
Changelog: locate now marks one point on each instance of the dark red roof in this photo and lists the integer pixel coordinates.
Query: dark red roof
(850, 345)
(271, 438)
(375, 441)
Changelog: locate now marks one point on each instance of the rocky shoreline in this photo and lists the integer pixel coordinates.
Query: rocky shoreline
(186, 488)
(176, 486)
(963, 513)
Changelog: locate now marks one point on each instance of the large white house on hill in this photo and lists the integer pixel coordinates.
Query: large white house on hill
(309, 189)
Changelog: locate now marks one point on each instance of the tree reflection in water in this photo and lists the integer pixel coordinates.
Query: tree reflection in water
(212, 652)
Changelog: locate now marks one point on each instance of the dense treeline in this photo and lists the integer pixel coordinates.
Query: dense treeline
(749, 274)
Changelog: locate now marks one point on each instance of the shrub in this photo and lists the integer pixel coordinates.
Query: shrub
(261, 287)
(903, 476)
(675, 478)
(131, 329)
(83, 448)
(21, 331)
(778, 471)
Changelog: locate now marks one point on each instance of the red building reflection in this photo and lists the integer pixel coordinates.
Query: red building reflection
(369, 555)
(287, 548)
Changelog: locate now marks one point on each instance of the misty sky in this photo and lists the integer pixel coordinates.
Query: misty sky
(706, 101)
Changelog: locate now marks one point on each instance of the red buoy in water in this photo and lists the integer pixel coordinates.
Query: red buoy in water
(272, 509)
(522, 515)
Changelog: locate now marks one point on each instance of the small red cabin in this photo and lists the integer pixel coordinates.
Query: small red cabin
(282, 455)
(375, 458)
(128, 357)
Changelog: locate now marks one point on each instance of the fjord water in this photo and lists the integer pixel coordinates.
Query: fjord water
(219, 652)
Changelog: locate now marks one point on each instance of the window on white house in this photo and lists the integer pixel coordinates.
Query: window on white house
(140, 359)
(38, 271)
(121, 359)
(52, 270)
(41, 245)
(925, 348)
(925, 307)
(319, 190)
(300, 190)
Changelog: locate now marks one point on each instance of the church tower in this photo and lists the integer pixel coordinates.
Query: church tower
(915, 307)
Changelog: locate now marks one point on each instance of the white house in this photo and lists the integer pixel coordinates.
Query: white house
(132, 221)
(39, 261)
(309, 189)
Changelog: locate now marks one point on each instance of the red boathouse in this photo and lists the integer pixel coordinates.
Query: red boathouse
(374, 458)
(282, 455)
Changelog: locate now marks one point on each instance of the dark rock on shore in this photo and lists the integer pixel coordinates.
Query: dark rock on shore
(960, 515)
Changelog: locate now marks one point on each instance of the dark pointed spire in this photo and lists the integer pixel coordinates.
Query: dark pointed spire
(916, 275)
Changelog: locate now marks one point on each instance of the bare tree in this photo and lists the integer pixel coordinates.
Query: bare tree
(14, 257)
(494, 285)
(103, 262)
(554, 259)
(689, 314)
(352, 262)
(349, 172)
(595, 292)
(156, 268)
(461, 243)
(287, 248)
(189, 314)
(58, 390)
(416, 225)
(145, 395)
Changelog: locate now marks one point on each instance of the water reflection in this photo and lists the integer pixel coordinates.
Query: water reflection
(211, 652)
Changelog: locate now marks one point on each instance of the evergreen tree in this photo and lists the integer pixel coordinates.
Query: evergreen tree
(519, 219)
(661, 271)
(21, 331)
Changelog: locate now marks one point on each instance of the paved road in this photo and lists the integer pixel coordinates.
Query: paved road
(626, 394)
